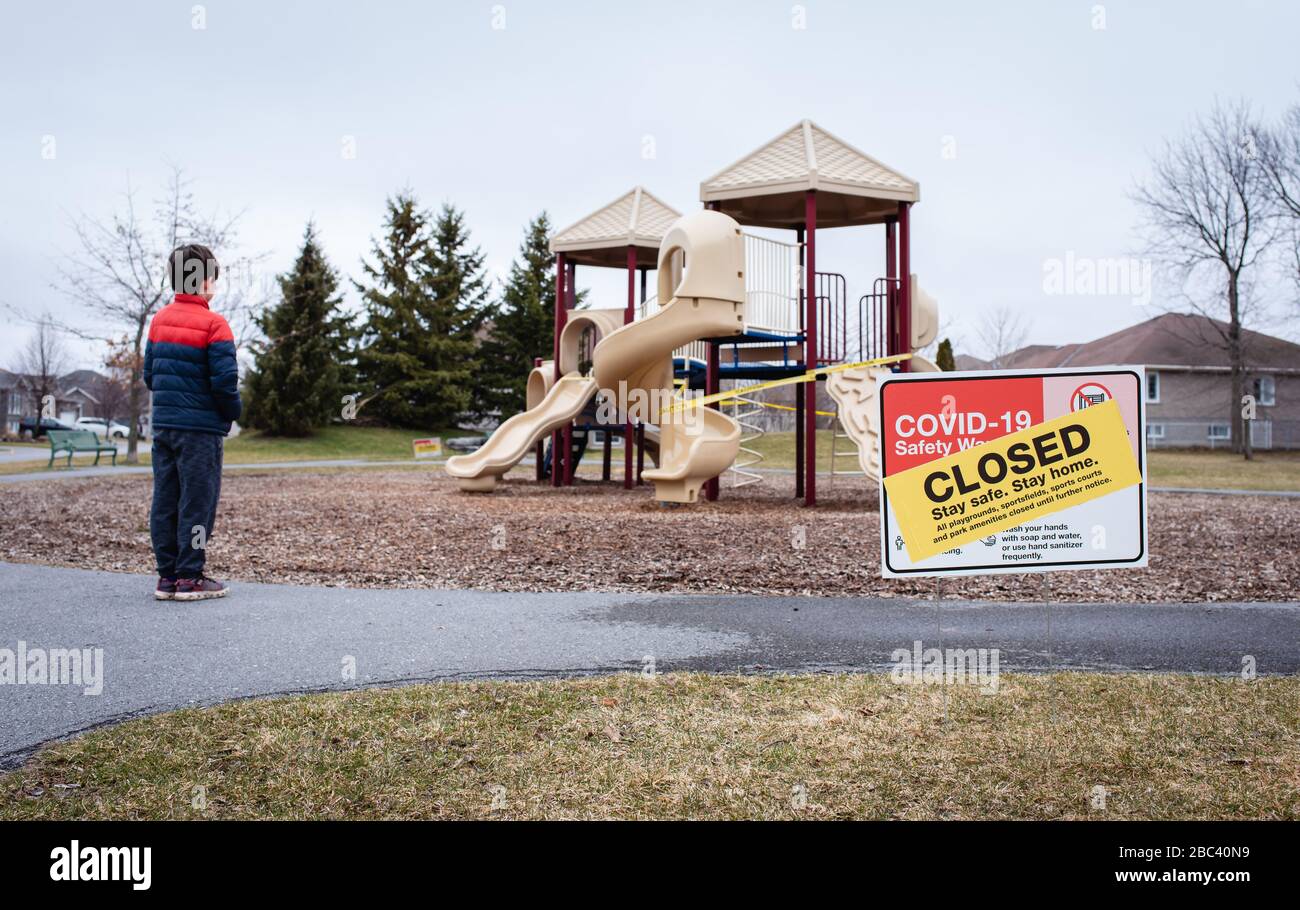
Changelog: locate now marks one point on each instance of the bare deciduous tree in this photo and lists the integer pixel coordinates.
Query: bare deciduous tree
(1207, 217)
(1001, 332)
(113, 388)
(1279, 155)
(119, 274)
(43, 361)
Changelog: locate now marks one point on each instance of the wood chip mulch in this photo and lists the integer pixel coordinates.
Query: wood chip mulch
(412, 529)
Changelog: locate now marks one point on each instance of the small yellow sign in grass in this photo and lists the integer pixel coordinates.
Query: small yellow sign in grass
(427, 448)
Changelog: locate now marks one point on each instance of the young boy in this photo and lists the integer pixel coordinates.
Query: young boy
(189, 365)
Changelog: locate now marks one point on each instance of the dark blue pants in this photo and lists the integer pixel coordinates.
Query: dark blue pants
(186, 487)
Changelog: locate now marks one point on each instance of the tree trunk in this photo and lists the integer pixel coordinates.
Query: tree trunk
(133, 431)
(1241, 435)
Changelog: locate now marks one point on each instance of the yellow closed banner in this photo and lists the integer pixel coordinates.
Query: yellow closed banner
(1010, 480)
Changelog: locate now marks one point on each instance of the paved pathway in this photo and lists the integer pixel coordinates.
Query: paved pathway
(267, 639)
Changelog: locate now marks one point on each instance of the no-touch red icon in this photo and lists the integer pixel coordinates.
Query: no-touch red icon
(1088, 394)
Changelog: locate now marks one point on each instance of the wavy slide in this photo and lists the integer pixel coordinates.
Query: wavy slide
(697, 444)
(633, 364)
(478, 472)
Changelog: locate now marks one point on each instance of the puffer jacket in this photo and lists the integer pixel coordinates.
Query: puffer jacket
(190, 366)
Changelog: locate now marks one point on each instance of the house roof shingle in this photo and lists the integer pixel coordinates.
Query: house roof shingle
(1171, 339)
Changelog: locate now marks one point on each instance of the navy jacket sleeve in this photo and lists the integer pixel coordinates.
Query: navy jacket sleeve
(148, 365)
(223, 371)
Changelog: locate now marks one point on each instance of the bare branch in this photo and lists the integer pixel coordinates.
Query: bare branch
(1001, 332)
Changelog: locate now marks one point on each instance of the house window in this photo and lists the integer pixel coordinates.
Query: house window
(1155, 431)
(1153, 388)
(1265, 390)
(1220, 431)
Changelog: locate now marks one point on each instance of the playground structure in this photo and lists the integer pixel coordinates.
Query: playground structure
(730, 306)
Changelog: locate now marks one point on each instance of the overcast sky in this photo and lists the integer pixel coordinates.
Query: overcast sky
(510, 108)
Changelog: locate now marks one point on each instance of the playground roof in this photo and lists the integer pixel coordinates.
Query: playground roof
(637, 218)
(766, 188)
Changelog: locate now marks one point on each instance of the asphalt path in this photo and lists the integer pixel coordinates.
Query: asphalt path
(276, 639)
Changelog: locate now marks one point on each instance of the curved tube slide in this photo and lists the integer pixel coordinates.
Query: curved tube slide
(632, 366)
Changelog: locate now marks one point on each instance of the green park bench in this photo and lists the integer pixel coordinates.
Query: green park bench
(73, 441)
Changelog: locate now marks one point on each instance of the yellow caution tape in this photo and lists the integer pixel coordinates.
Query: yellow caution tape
(767, 404)
(809, 376)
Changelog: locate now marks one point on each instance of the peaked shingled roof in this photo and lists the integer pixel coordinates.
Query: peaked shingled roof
(1167, 340)
(637, 218)
(852, 187)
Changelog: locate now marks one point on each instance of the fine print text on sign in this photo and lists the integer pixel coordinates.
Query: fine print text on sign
(1012, 472)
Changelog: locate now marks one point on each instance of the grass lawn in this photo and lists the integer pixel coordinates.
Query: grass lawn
(696, 746)
(31, 466)
(369, 443)
(778, 451)
(1197, 469)
(1275, 470)
(249, 447)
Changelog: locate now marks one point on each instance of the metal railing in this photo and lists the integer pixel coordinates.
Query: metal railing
(873, 319)
(773, 285)
(774, 302)
(832, 322)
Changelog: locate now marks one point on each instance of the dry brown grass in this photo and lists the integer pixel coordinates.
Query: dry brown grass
(696, 746)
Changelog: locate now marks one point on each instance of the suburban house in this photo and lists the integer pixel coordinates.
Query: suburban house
(1189, 384)
(74, 397)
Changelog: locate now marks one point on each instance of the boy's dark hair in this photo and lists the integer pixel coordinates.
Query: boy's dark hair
(189, 266)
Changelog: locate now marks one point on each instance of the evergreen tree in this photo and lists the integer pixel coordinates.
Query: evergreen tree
(523, 327)
(943, 357)
(425, 299)
(294, 384)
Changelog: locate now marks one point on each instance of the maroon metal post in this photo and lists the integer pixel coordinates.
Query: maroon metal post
(798, 403)
(712, 385)
(561, 308)
(640, 452)
(568, 454)
(539, 450)
(605, 455)
(571, 302)
(561, 317)
(891, 298)
(904, 282)
(640, 427)
(810, 353)
(798, 444)
(629, 315)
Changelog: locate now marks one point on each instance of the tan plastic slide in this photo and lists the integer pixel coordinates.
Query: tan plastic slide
(478, 472)
(635, 362)
(633, 365)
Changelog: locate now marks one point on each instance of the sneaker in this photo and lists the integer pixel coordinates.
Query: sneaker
(166, 589)
(201, 588)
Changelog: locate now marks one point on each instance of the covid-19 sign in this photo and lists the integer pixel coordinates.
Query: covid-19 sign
(1012, 471)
